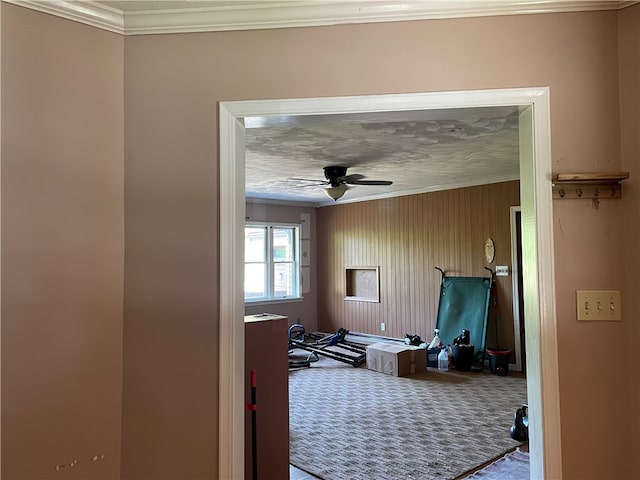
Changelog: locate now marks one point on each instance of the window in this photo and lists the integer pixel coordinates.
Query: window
(271, 266)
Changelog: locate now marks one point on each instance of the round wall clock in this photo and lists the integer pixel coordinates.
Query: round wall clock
(489, 250)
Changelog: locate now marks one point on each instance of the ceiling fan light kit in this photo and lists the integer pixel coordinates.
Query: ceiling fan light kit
(339, 181)
(336, 192)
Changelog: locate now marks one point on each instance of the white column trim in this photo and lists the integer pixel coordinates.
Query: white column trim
(0, 201)
(515, 275)
(539, 293)
(231, 346)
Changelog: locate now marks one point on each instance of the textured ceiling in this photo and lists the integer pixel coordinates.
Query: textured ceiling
(419, 151)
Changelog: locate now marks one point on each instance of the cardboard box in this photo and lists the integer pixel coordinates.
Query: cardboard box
(396, 359)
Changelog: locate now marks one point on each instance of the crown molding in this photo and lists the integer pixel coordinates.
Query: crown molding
(286, 14)
(87, 12)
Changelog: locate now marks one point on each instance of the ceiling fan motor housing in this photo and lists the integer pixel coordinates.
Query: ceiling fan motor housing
(334, 173)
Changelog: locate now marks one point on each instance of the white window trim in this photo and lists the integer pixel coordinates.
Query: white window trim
(270, 299)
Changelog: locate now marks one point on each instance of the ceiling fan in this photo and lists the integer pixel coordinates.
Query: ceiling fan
(338, 181)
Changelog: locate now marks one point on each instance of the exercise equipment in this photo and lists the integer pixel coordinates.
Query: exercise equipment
(464, 305)
(311, 357)
(332, 346)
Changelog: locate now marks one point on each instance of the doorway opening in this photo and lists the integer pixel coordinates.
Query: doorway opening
(538, 277)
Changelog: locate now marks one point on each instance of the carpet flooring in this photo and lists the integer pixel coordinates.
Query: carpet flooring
(513, 466)
(351, 423)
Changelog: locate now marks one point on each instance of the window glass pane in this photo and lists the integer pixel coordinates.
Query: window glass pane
(254, 244)
(283, 280)
(283, 247)
(271, 264)
(254, 284)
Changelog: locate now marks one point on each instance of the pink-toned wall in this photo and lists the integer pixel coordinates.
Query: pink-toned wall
(62, 233)
(62, 247)
(173, 84)
(170, 379)
(629, 71)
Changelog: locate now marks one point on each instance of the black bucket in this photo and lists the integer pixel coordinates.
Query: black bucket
(499, 360)
(462, 357)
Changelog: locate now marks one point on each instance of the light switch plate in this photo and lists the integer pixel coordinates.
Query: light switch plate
(598, 305)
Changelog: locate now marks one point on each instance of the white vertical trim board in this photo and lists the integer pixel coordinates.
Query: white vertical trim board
(231, 373)
(535, 174)
(515, 274)
(0, 206)
(539, 291)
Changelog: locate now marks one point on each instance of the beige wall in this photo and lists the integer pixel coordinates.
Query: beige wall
(173, 84)
(170, 381)
(62, 247)
(629, 55)
(407, 237)
(62, 233)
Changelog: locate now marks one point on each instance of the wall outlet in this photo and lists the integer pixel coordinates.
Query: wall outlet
(599, 305)
(502, 271)
(382, 327)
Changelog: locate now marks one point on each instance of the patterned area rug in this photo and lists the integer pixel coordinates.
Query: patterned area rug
(355, 424)
(514, 465)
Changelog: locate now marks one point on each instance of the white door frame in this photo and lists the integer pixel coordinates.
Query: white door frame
(538, 263)
(515, 298)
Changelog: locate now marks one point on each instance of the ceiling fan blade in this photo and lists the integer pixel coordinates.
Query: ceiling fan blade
(370, 182)
(351, 178)
(308, 180)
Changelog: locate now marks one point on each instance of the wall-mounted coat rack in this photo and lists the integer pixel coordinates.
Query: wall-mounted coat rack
(593, 186)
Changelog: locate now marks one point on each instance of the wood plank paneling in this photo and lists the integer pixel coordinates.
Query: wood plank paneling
(407, 237)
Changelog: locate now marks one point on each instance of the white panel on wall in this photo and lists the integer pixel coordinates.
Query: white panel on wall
(305, 220)
(306, 276)
(305, 252)
(256, 212)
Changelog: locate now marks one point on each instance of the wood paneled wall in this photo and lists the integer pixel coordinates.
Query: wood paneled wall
(407, 237)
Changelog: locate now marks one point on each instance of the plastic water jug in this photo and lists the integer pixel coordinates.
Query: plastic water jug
(443, 360)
